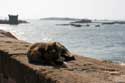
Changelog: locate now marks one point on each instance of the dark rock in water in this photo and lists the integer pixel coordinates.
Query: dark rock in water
(108, 23)
(4, 22)
(97, 25)
(75, 25)
(119, 22)
(87, 25)
(83, 21)
(22, 21)
(8, 22)
(114, 22)
(70, 24)
(63, 24)
(60, 18)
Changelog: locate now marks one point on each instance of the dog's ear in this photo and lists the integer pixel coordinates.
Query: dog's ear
(54, 43)
(57, 44)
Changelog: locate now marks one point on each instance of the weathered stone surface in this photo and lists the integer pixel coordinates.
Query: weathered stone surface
(6, 34)
(14, 64)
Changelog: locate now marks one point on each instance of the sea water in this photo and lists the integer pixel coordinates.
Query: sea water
(106, 42)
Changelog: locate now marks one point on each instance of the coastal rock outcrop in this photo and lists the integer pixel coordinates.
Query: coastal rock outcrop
(83, 21)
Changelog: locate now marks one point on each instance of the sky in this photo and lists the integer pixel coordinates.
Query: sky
(93, 9)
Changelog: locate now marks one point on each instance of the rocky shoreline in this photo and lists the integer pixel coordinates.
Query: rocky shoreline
(13, 60)
(7, 22)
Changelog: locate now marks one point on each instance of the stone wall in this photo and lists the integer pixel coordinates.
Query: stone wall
(15, 68)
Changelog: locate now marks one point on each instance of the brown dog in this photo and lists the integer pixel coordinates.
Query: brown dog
(51, 53)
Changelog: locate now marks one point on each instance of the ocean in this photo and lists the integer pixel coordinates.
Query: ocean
(106, 42)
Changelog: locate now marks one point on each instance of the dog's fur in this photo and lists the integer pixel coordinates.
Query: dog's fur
(51, 53)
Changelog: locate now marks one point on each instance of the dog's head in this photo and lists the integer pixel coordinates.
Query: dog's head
(59, 52)
(64, 52)
(53, 52)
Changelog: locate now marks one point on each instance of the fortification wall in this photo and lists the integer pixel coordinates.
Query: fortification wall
(15, 68)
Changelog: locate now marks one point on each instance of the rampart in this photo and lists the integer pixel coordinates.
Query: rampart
(15, 68)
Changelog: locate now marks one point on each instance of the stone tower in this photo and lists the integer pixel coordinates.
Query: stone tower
(13, 19)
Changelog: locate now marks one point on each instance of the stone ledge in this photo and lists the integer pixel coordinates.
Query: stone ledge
(14, 65)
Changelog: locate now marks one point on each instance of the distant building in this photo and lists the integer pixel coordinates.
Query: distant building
(13, 19)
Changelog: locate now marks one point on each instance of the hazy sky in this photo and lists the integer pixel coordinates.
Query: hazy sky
(95, 9)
